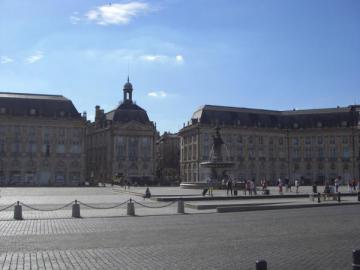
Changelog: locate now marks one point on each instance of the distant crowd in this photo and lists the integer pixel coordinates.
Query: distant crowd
(249, 187)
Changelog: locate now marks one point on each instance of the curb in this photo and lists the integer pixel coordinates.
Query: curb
(277, 207)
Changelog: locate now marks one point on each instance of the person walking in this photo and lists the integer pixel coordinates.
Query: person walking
(210, 186)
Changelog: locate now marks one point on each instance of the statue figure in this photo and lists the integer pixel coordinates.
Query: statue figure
(217, 143)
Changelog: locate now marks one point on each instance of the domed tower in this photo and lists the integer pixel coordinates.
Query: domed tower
(128, 91)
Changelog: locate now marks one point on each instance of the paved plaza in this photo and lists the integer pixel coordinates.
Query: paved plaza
(159, 238)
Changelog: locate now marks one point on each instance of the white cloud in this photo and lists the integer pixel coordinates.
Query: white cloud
(162, 58)
(158, 94)
(35, 57)
(154, 58)
(179, 58)
(74, 18)
(6, 60)
(117, 13)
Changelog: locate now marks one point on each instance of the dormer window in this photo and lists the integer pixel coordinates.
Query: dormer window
(319, 124)
(32, 111)
(62, 113)
(295, 125)
(344, 123)
(2, 110)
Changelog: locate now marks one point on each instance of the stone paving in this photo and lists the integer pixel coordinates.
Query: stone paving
(288, 239)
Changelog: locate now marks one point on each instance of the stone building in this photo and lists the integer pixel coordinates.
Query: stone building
(313, 145)
(168, 158)
(41, 140)
(121, 143)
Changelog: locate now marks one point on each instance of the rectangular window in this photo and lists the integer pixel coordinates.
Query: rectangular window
(345, 139)
(31, 147)
(75, 148)
(333, 152)
(281, 141)
(307, 140)
(319, 139)
(15, 147)
(346, 152)
(60, 178)
(60, 148)
(332, 139)
(295, 141)
(261, 140)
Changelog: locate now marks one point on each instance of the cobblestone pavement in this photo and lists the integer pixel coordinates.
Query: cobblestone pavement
(317, 238)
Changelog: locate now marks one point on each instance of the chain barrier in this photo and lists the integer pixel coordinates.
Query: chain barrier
(103, 208)
(44, 210)
(7, 207)
(147, 206)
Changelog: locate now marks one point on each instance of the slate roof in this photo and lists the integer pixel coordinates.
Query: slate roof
(20, 104)
(126, 112)
(330, 117)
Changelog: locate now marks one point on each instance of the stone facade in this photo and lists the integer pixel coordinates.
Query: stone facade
(168, 158)
(120, 144)
(311, 145)
(41, 140)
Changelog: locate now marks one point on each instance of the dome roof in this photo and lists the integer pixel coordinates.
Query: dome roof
(128, 86)
(127, 112)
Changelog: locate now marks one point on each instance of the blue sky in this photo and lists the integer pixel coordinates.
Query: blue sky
(271, 54)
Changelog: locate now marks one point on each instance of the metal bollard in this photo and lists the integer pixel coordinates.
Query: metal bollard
(18, 211)
(261, 265)
(358, 196)
(130, 208)
(319, 197)
(356, 259)
(180, 207)
(339, 197)
(76, 210)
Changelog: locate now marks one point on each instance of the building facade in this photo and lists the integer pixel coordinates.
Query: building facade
(168, 159)
(41, 140)
(120, 144)
(313, 145)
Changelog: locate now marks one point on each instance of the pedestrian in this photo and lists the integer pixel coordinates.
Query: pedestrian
(147, 193)
(297, 185)
(354, 184)
(210, 186)
(248, 187)
(336, 184)
(280, 185)
(253, 186)
(229, 187)
(286, 184)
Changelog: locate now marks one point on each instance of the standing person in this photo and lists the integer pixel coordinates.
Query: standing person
(229, 187)
(249, 187)
(297, 185)
(354, 184)
(253, 186)
(210, 186)
(336, 184)
(280, 185)
(286, 184)
(255, 191)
